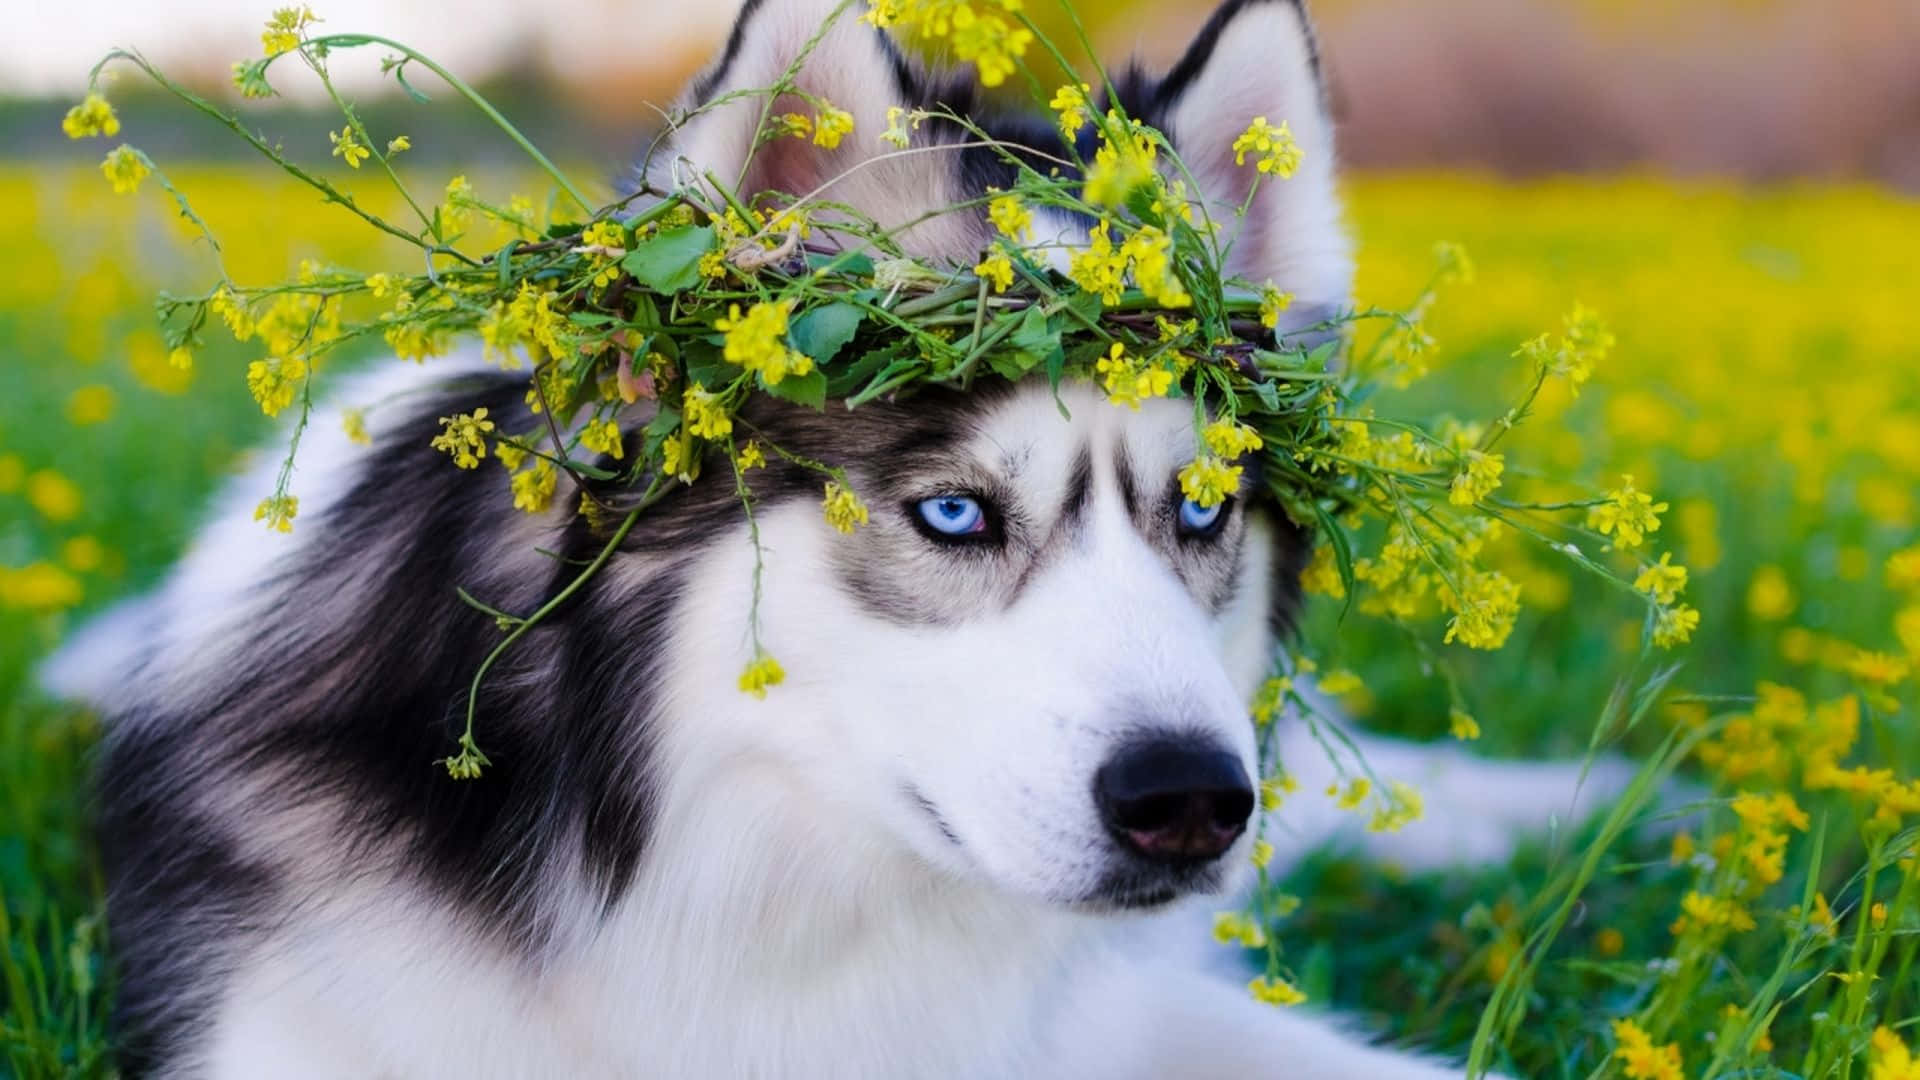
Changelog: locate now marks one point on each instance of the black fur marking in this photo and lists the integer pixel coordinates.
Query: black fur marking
(704, 87)
(1129, 484)
(355, 679)
(1073, 511)
(926, 806)
(181, 893)
(1200, 53)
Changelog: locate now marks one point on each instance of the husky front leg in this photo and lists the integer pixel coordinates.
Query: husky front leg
(1147, 1021)
(1475, 810)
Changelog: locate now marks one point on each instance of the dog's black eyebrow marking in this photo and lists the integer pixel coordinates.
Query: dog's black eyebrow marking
(1123, 475)
(1073, 510)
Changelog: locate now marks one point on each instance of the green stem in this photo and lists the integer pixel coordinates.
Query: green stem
(348, 41)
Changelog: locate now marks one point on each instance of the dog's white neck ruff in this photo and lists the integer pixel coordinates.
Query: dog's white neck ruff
(764, 936)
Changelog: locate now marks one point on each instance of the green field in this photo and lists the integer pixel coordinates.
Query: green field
(1766, 384)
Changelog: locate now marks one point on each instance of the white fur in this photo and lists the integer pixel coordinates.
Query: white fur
(795, 914)
(791, 920)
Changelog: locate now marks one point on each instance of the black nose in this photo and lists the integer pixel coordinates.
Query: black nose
(1174, 801)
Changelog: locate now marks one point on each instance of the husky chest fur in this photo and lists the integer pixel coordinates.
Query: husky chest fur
(1012, 737)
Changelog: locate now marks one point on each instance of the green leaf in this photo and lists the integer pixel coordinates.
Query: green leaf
(706, 364)
(503, 261)
(851, 377)
(1268, 394)
(822, 332)
(809, 389)
(670, 261)
(853, 265)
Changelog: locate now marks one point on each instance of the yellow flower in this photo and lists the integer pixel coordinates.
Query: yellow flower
(463, 437)
(1877, 667)
(1484, 610)
(997, 269)
(533, 487)
(90, 405)
(1099, 267)
(348, 148)
(1238, 928)
(1662, 580)
(1208, 480)
(274, 381)
(830, 125)
(1273, 990)
(1903, 568)
(40, 586)
(706, 413)
(1462, 725)
(1355, 794)
(1272, 792)
(354, 423)
(1877, 914)
(1268, 699)
(398, 144)
(1640, 1059)
(1340, 682)
(1070, 104)
(1322, 575)
(1273, 304)
(680, 457)
(1891, 1058)
(458, 204)
(1150, 253)
(762, 672)
(284, 28)
(1609, 942)
(1455, 267)
(1770, 596)
(1274, 149)
(749, 457)
(896, 132)
(1477, 479)
(1127, 382)
(1626, 514)
(844, 510)
(1011, 217)
(1674, 625)
(53, 495)
(1119, 169)
(603, 437)
(124, 167)
(756, 341)
(93, 116)
(1230, 439)
(83, 554)
(1403, 806)
(233, 312)
(1261, 853)
(278, 511)
(180, 358)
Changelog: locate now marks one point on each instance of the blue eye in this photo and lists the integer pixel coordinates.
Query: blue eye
(1197, 520)
(953, 515)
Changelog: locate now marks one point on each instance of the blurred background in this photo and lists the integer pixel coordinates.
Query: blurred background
(1732, 184)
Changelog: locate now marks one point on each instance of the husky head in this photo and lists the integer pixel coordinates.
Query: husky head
(1031, 668)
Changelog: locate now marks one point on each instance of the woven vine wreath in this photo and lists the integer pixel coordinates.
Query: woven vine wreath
(697, 296)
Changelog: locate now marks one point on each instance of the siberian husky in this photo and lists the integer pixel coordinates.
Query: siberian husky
(976, 833)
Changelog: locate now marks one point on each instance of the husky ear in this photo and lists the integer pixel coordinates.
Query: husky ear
(854, 67)
(1256, 58)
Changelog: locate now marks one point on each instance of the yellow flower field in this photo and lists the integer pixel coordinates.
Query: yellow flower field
(1765, 385)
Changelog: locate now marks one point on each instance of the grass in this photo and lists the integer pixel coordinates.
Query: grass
(1766, 384)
